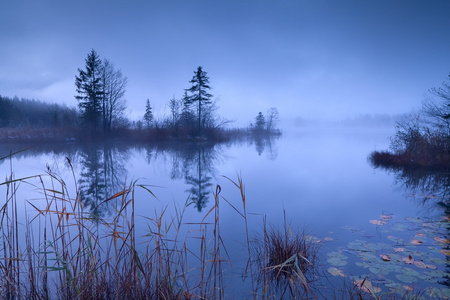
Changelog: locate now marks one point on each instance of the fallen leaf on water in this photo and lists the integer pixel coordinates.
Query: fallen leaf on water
(385, 257)
(366, 286)
(385, 217)
(407, 288)
(441, 240)
(408, 260)
(418, 234)
(377, 222)
(327, 239)
(445, 252)
(416, 242)
(400, 249)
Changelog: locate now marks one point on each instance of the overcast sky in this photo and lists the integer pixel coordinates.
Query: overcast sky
(310, 59)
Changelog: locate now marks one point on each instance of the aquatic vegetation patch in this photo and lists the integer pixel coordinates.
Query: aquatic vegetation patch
(408, 254)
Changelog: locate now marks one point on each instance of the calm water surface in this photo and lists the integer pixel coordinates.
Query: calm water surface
(319, 179)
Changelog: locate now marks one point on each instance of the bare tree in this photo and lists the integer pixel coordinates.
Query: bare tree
(114, 103)
(436, 107)
(175, 110)
(272, 119)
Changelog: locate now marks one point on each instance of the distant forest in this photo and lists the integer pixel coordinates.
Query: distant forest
(23, 113)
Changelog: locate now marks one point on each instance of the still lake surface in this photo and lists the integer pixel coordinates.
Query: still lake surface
(315, 178)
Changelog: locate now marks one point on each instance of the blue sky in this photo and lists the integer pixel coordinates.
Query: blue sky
(310, 59)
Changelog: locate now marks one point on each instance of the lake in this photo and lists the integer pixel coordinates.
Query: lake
(385, 231)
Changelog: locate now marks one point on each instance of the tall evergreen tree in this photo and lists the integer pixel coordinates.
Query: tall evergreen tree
(89, 91)
(199, 93)
(260, 122)
(148, 116)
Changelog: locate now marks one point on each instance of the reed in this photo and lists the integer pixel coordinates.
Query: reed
(62, 251)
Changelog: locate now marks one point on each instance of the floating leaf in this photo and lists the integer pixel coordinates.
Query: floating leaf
(327, 239)
(438, 261)
(406, 278)
(407, 288)
(410, 272)
(366, 286)
(416, 242)
(396, 240)
(419, 234)
(413, 219)
(337, 259)
(399, 249)
(377, 222)
(335, 272)
(334, 261)
(385, 257)
(385, 217)
(445, 252)
(399, 227)
(420, 264)
(441, 240)
(408, 260)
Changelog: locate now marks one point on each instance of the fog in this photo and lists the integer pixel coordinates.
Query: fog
(320, 60)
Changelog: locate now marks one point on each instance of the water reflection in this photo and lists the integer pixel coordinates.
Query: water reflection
(103, 174)
(264, 142)
(194, 163)
(103, 168)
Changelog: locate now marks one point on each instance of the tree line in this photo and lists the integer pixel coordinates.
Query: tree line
(100, 92)
(21, 113)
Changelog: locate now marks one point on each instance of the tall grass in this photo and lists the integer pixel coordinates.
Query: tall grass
(68, 253)
(61, 251)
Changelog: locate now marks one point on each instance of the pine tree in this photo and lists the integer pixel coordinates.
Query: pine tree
(148, 116)
(260, 122)
(90, 91)
(199, 93)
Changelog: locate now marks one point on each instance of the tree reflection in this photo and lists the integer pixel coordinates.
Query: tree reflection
(264, 142)
(198, 168)
(102, 175)
(192, 162)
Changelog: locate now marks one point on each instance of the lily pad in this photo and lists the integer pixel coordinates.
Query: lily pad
(335, 272)
(406, 278)
(366, 286)
(337, 259)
